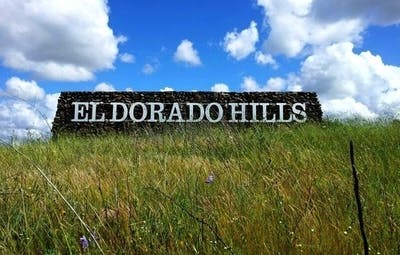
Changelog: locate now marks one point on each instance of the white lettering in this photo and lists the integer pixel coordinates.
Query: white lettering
(191, 112)
(265, 113)
(301, 112)
(213, 112)
(115, 112)
(235, 112)
(80, 114)
(254, 111)
(175, 112)
(143, 112)
(154, 111)
(220, 112)
(282, 113)
(94, 113)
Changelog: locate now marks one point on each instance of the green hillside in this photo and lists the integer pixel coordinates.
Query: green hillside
(277, 190)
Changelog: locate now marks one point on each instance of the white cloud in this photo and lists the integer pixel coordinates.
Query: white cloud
(240, 45)
(220, 87)
(346, 108)
(187, 54)
(28, 116)
(25, 90)
(325, 32)
(373, 12)
(276, 84)
(64, 40)
(294, 25)
(149, 69)
(345, 81)
(127, 58)
(105, 87)
(249, 84)
(167, 89)
(265, 59)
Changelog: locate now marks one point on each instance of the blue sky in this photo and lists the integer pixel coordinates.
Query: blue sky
(349, 56)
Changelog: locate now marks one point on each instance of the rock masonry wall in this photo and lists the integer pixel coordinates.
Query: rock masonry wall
(66, 110)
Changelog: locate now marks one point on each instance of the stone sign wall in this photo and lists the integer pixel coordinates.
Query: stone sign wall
(100, 112)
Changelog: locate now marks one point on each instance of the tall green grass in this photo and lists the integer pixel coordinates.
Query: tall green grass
(277, 190)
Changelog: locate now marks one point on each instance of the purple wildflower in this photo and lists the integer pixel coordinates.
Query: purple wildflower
(210, 178)
(84, 242)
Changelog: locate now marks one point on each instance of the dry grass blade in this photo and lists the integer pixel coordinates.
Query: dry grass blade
(41, 172)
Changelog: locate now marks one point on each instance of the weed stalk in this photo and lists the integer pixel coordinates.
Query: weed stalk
(358, 200)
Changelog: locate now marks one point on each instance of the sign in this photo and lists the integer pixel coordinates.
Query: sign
(96, 112)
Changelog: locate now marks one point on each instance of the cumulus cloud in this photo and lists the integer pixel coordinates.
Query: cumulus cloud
(187, 54)
(149, 69)
(265, 59)
(220, 87)
(346, 108)
(241, 44)
(373, 12)
(104, 87)
(249, 84)
(25, 110)
(347, 82)
(127, 58)
(66, 40)
(25, 90)
(167, 89)
(294, 25)
(151, 66)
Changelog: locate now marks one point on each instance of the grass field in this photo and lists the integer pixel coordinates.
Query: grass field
(277, 190)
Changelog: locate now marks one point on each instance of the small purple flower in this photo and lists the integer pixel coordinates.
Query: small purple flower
(210, 178)
(84, 242)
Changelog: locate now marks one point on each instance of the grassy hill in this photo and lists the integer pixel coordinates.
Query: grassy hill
(277, 190)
